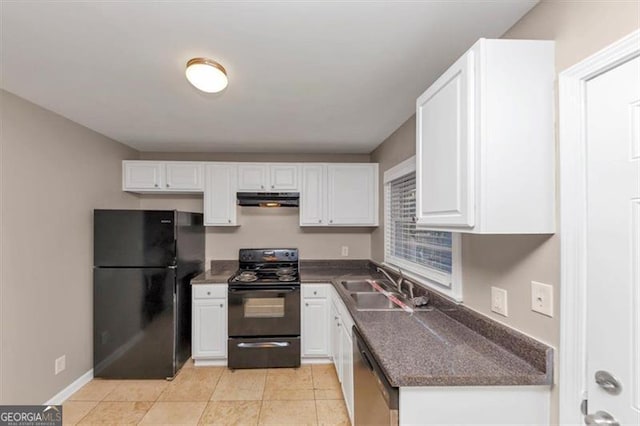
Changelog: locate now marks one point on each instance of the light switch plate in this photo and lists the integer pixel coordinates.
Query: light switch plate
(542, 298)
(60, 364)
(345, 250)
(499, 301)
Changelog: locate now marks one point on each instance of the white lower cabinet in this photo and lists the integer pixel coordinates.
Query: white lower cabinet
(341, 339)
(315, 324)
(463, 405)
(209, 323)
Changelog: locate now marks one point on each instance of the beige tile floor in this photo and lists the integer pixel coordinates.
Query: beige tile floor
(309, 395)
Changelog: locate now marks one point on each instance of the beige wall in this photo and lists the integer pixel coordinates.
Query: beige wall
(54, 173)
(512, 262)
(268, 227)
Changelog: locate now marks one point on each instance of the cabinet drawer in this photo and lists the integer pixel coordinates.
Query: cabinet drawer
(209, 291)
(315, 291)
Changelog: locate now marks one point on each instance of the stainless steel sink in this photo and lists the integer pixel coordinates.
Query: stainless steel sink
(358, 286)
(372, 302)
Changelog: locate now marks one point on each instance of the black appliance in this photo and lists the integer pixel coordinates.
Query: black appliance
(143, 263)
(268, 199)
(264, 310)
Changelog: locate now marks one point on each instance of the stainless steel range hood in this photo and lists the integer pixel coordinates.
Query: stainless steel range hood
(269, 199)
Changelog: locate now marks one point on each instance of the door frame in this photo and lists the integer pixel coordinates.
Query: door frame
(573, 218)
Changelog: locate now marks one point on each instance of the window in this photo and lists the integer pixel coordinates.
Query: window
(429, 255)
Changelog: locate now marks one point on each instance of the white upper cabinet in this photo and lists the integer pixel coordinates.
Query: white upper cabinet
(313, 195)
(352, 194)
(142, 176)
(485, 142)
(185, 176)
(162, 176)
(283, 177)
(258, 177)
(220, 207)
(447, 158)
(252, 177)
(339, 195)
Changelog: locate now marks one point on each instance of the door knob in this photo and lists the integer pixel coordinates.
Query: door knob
(600, 418)
(608, 383)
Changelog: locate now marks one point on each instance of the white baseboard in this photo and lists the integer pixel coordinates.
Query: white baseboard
(325, 360)
(210, 362)
(65, 393)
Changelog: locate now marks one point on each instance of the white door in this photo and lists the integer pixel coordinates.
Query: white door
(444, 148)
(352, 194)
(142, 175)
(313, 196)
(220, 195)
(184, 176)
(209, 329)
(252, 177)
(613, 245)
(283, 177)
(315, 327)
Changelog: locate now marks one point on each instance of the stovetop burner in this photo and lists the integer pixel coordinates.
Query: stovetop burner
(267, 266)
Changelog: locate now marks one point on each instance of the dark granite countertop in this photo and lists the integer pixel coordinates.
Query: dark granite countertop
(220, 272)
(448, 346)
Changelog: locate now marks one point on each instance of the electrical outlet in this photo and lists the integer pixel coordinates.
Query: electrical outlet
(345, 251)
(60, 364)
(499, 301)
(542, 298)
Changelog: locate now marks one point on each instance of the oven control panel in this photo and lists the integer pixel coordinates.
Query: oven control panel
(268, 255)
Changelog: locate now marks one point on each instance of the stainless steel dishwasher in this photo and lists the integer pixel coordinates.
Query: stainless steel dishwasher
(375, 400)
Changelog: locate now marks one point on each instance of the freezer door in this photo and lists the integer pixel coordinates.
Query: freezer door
(134, 323)
(134, 238)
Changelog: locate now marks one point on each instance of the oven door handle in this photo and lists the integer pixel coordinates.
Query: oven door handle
(264, 290)
(263, 345)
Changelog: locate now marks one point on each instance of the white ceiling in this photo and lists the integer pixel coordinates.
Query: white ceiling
(303, 76)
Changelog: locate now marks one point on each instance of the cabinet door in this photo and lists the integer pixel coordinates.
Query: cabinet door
(220, 205)
(209, 329)
(142, 175)
(184, 176)
(252, 177)
(347, 368)
(313, 196)
(445, 148)
(334, 332)
(315, 328)
(283, 177)
(352, 194)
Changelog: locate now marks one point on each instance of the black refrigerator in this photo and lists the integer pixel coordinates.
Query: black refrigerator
(144, 261)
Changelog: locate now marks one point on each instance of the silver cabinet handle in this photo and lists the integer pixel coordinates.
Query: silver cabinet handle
(222, 305)
(273, 186)
(168, 185)
(306, 304)
(155, 184)
(319, 220)
(335, 318)
(601, 418)
(229, 220)
(264, 345)
(208, 293)
(315, 292)
(261, 186)
(331, 221)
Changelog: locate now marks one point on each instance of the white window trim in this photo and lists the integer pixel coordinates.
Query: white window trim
(449, 285)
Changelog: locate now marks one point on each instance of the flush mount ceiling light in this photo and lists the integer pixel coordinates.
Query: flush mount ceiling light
(206, 75)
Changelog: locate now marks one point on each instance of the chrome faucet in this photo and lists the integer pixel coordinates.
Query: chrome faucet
(398, 283)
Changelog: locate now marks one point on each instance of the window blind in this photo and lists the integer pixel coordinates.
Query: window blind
(429, 250)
